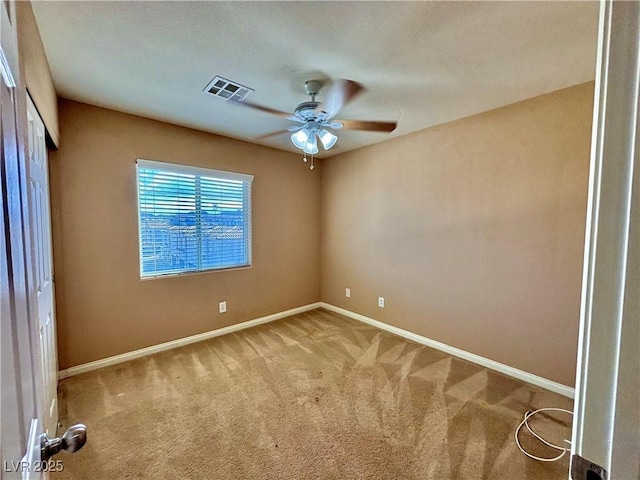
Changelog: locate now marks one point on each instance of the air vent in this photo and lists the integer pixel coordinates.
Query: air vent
(227, 89)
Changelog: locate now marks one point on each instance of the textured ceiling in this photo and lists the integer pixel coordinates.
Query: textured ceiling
(423, 63)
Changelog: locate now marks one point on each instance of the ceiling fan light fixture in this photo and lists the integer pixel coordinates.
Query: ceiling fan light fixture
(312, 145)
(301, 138)
(328, 139)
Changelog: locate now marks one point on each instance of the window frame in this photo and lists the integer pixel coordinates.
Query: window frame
(206, 172)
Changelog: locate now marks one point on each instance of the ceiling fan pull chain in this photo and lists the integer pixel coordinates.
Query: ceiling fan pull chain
(304, 159)
(311, 167)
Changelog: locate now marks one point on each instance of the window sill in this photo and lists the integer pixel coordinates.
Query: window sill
(198, 272)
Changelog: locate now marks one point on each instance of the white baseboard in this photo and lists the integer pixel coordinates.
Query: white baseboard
(485, 362)
(125, 357)
(472, 357)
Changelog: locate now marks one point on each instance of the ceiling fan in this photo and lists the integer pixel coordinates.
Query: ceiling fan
(316, 120)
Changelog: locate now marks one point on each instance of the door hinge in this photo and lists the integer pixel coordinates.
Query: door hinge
(583, 469)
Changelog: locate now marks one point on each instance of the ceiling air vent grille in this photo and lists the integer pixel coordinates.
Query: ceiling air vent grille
(227, 89)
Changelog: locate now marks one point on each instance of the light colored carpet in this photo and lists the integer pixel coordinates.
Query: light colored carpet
(313, 396)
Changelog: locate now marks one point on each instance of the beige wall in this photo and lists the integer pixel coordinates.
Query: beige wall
(103, 308)
(36, 69)
(473, 231)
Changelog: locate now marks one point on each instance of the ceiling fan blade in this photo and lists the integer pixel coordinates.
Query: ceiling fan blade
(371, 126)
(342, 92)
(295, 128)
(273, 134)
(262, 108)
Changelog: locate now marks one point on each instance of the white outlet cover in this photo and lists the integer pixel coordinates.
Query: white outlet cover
(347, 292)
(222, 307)
(381, 302)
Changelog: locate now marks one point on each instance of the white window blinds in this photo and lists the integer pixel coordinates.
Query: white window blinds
(192, 219)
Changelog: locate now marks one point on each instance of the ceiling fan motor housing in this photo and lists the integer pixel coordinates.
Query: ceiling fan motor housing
(307, 110)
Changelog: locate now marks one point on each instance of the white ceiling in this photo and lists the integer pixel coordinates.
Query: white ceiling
(423, 63)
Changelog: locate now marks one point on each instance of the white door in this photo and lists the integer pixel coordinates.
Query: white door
(20, 379)
(43, 265)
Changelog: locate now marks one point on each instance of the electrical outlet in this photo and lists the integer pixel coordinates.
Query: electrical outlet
(381, 302)
(222, 307)
(347, 292)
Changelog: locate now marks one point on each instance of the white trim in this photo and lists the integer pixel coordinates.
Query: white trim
(191, 170)
(143, 352)
(472, 357)
(485, 362)
(606, 424)
(5, 70)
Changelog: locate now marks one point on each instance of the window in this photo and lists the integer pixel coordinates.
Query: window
(192, 219)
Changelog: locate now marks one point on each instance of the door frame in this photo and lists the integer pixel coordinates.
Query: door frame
(606, 428)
